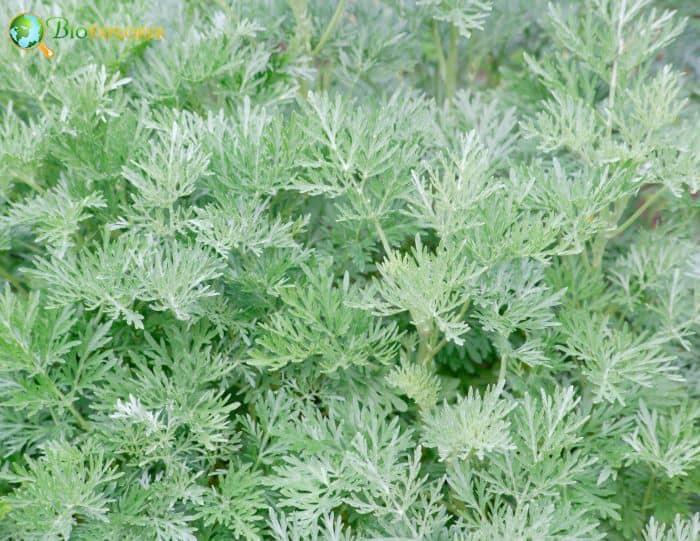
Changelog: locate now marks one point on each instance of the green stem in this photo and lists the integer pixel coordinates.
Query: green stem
(586, 259)
(614, 74)
(598, 248)
(442, 64)
(644, 206)
(597, 251)
(79, 418)
(382, 236)
(328, 32)
(647, 494)
(451, 69)
(326, 74)
(302, 38)
(425, 350)
(586, 395)
(62, 398)
(503, 370)
(31, 182)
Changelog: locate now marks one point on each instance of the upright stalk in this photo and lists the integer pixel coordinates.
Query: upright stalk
(642, 208)
(598, 248)
(328, 32)
(451, 67)
(442, 63)
(302, 36)
(503, 370)
(382, 236)
(614, 74)
(425, 349)
(647, 494)
(82, 422)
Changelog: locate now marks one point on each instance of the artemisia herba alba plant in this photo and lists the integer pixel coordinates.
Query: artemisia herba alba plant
(352, 270)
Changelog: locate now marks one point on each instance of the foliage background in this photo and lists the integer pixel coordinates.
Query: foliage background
(398, 269)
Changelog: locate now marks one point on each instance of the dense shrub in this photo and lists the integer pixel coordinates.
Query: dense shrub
(365, 269)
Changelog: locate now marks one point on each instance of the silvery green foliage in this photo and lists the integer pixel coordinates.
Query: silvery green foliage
(352, 270)
(474, 426)
(680, 530)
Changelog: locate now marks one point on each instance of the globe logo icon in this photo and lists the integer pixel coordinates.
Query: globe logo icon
(27, 31)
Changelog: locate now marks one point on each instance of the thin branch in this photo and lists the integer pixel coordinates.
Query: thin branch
(648, 492)
(614, 74)
(442, 64)
(503, 370)
(340, 8)
(451, 75)
(84, 424)
(382, 236)
(649, 202)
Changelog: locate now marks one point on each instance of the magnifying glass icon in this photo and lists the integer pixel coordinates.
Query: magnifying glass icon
(26, 32)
